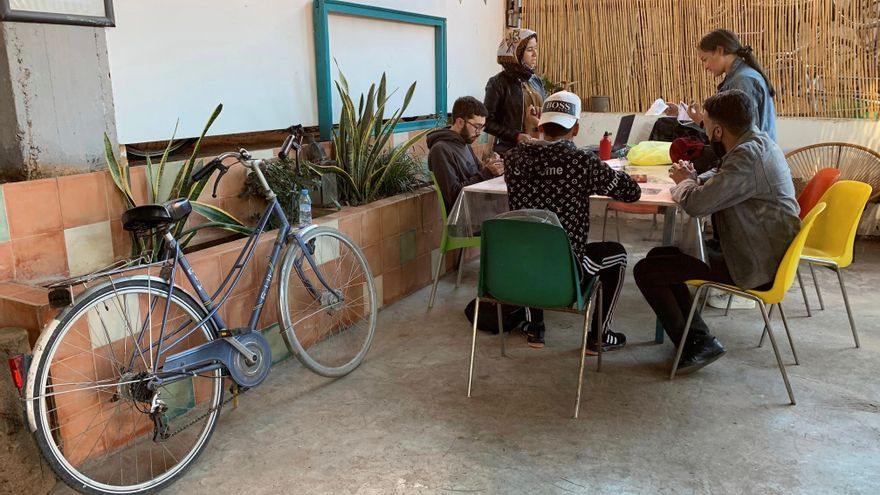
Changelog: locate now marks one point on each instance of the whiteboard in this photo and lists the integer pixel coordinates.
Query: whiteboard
(365, 48)
(173, 60)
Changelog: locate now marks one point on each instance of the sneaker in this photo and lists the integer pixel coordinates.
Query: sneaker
(699, 357)
(534, 333)
(720, 301)
(611, 341)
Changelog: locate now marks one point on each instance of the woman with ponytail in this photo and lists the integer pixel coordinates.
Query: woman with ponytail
(722, 53)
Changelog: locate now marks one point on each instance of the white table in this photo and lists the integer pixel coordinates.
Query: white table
(484, 200)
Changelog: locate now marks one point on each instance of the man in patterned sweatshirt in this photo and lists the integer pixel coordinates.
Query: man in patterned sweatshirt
(554, 174)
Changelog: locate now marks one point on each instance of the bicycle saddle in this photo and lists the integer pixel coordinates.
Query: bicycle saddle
(146, 217)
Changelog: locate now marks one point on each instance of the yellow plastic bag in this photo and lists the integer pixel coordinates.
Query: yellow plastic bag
(650, 153)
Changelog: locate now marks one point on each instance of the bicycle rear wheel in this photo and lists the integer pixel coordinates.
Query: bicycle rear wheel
(329, 331)
(92, 404)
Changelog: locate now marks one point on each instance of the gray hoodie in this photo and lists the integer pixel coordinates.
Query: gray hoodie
(454, 164)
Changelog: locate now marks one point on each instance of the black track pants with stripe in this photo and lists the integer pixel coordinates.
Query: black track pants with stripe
(608, 260)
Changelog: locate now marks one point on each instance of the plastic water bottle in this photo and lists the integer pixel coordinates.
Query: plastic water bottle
(305, 208)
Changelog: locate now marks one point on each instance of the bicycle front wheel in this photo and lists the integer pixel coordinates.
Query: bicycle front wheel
(328, 316)
(92, 403)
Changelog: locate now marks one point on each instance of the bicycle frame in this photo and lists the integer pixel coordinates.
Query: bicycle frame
(285, 234)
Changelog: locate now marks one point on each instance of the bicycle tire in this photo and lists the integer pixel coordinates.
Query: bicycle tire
(329, 336)
(76, 405)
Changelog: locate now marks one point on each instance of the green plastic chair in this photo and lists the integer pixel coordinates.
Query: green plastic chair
(531, 264)
(449, 243)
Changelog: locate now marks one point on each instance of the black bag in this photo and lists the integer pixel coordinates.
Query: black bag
(670, 129)
(511, 316)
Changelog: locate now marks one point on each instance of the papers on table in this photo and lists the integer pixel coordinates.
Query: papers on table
(659, 107)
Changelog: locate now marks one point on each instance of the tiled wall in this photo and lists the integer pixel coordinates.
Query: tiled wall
(52, 228)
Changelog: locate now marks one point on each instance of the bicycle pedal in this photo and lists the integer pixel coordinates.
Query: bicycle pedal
(232, 332)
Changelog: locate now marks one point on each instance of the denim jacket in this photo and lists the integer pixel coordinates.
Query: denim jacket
(741, 76)
(756, 214)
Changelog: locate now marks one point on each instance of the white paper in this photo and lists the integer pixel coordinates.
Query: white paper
(659, 108)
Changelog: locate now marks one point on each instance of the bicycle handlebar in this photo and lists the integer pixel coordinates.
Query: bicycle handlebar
(293, 141)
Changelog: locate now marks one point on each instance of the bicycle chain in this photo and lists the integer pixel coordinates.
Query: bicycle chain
(235, 395)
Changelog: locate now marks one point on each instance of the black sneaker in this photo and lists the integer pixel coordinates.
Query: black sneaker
(611, 341)
(534, 333)
(704, 353)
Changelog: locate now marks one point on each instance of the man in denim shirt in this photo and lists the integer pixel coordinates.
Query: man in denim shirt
(756, 214)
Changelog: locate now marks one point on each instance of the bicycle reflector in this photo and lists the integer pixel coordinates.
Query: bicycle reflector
(18, 368)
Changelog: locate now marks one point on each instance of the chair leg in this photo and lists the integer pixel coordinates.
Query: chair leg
(577, 400)
(687, 329)
(473, 346)
(460, 267)
(617, 224)
(764, 334)
(706, 300)
(788, 333)
(816, 285)
(776, 352)
(804, 290)
(436, 279)
(729, 302)
(852, 322)
(604, 222)
(501, 331)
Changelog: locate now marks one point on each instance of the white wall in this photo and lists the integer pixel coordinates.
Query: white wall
(173, 59)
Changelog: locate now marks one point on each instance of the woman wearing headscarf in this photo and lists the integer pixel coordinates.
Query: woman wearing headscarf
(514, 95)
(722, 53)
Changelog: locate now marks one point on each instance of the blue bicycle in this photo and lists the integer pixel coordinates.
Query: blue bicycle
(126, 383)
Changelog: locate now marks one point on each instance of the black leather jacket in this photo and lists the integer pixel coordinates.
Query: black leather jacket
(504, 100)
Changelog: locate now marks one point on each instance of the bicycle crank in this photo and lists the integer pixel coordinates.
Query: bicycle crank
(251, 372)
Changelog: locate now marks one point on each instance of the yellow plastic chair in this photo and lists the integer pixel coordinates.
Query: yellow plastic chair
(449, 243)
(784, 278)
(830, 244)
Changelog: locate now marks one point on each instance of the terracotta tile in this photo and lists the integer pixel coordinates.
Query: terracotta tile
(11, 288)
(237, 310)
(40, 256)
(116, 205)
(7, 261)
(32, 207)
(390, 253)
(351, 225)
(240, 208)
(392, 285)
(409, 214)
(371, 228)
(207, 270)
(408, 277)
(83, 199)
(424, 270)
(139, 184)
(374, 258)
(408, 247)
(390, 219)
(89, 247)
(19, 314)
(121, 240)
(248, 279)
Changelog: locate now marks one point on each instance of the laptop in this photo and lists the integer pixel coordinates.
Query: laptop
(622, 136)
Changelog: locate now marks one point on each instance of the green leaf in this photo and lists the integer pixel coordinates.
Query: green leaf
(183, 175)
(161, 173)
(118, 173)
(215, 214)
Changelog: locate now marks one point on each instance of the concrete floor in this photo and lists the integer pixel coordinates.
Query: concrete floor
(401, 423)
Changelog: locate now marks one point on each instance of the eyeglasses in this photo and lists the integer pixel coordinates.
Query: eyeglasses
(477, 127)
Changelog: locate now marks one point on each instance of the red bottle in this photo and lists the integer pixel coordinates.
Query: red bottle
(605, 147)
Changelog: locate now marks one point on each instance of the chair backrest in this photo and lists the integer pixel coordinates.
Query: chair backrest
(816, 188)
(788, 266)
(439, 197)
(854, 162)
(835, 231)
(528, 264)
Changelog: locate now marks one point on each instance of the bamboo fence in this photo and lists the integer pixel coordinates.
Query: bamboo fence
(822, 56)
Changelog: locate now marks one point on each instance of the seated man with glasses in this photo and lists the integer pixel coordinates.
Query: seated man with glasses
(451, 158)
